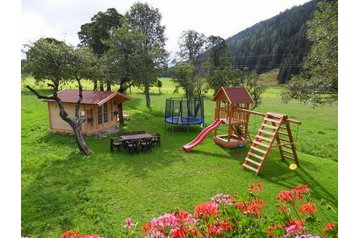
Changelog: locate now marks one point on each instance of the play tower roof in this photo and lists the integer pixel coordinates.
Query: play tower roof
(234, 95)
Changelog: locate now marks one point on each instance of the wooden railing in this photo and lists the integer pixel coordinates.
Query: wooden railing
(221, 112)
(236, 114)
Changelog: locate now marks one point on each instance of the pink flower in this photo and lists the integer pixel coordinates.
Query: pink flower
(222, 198)
(128, 223)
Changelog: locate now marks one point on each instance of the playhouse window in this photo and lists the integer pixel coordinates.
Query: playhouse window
(103, 114)
(100, 115)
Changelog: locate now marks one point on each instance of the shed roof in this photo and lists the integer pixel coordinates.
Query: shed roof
(234, 95)
(90, 97)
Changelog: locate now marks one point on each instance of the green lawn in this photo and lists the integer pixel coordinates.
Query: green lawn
(62, 190)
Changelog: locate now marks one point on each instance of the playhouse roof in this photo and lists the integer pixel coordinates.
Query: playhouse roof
(234, 95)
(91, 97)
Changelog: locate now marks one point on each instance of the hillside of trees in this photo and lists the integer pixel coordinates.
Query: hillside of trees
(279, 42)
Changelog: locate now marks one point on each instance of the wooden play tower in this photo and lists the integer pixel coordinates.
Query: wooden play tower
(232, 108)
(229, 101)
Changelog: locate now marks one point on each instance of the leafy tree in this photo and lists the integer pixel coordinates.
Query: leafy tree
(53, 60)
(147, 20)
(182, 74)
(218, 53)
(255, 86)
(318, 82)
(186, 72)
(191, 45)
(228, 76)
(98, 31)
(126, 61)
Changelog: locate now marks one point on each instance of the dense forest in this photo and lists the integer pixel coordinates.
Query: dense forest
(279, 42)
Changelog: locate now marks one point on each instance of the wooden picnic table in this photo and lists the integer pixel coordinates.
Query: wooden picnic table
(136, 136)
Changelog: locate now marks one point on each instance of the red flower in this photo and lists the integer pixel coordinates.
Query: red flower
(273, 228)
(70, 234)
(297, 223)
(283, 208)
(255, 187)
(179, 233)
(251, 208)
(286, 196)
(307, 208)
(206, 209)
(302, 188)
(217, 228)
(242, 206)
(146, 228)
(329, 226)
(182, 215)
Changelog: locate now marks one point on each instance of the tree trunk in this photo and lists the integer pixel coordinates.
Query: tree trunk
(108, 86)
(120, 114)
(95, 85)
(76, 123)
(80, 140)
(101, 86)
(147, 96)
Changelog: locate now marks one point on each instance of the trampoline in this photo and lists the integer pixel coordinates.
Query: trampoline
(184, 111)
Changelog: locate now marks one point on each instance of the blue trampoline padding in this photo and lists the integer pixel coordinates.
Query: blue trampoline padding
(188, 120)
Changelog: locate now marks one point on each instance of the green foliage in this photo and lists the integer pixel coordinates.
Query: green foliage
(227, 76)
(99, 29)
(279, 42)
(234, 77)
(255, 86)
(147, 20)
(191, 45)
(318, 82)
(127, 59)
(48, 58)
(182, 74)
(218, 53)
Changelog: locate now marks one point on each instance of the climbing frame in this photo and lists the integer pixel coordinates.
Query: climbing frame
(275, 126)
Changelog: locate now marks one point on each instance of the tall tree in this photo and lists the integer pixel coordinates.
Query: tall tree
(96, 32)
(53, 60)
(182, 74)
(147, 20)
(191, 45)
(126, 61)
(318, 82)
(218, 53)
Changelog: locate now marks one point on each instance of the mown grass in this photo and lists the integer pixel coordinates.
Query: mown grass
(61, 189)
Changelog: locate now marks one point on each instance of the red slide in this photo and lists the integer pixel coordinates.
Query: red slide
(202, 135)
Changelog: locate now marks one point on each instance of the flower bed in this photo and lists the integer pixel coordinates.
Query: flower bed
(227, 215)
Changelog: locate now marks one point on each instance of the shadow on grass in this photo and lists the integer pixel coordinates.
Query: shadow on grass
(277, 171)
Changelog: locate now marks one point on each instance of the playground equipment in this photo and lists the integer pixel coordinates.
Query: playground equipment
(202, 135)
(184, 111)
(232, 110)
(274, 126)
(229, 101)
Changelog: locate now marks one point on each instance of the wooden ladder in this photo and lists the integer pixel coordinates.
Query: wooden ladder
(274, 126)
(286, 143)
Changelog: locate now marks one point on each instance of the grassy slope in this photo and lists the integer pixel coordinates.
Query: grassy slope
(63, 190)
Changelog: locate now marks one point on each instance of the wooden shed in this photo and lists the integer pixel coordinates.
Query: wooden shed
(97, 107)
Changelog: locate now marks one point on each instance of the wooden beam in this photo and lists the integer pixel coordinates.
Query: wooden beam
(264, 114)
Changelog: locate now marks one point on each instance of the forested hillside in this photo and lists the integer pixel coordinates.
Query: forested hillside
(279, 42)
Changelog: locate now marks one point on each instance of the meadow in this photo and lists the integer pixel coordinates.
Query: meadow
(62, 190)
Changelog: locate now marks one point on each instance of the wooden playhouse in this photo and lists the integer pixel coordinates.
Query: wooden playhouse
(229, 101)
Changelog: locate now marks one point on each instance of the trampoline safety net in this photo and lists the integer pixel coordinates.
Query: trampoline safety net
(184, 111)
